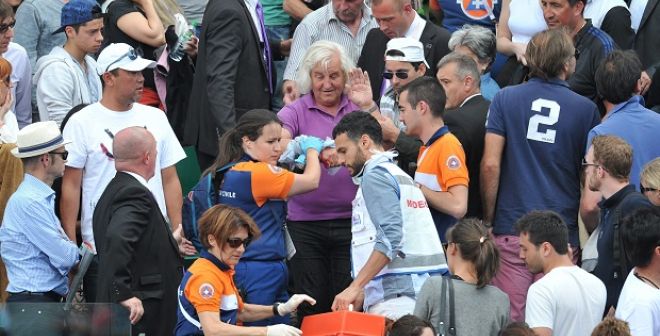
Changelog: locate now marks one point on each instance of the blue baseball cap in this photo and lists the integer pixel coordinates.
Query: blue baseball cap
(79, 11)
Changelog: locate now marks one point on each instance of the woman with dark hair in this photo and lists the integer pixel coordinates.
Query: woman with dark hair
(209, 301)
(454, 302)
(248, 178)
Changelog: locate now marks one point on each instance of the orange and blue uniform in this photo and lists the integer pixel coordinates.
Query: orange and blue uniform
(260, 190)
(440, 166)
(207, 286)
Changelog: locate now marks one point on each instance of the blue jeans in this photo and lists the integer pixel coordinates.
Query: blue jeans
(278, 33)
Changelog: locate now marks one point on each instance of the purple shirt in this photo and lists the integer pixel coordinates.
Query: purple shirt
(332, 200)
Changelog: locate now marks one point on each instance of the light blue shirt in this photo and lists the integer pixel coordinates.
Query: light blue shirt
(488, 86)
(36, 251)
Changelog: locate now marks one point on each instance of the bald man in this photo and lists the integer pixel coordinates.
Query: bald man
(139, 262)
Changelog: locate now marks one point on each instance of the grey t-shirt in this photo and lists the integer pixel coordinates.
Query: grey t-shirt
(483, 311)
(193, 9)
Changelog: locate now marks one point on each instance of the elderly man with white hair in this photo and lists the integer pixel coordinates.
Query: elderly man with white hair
(320, 221)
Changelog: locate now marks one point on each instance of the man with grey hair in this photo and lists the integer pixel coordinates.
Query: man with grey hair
(345, 22)
(481, 45)
(465, 116)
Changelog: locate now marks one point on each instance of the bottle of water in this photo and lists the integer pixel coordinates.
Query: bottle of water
(184, 32)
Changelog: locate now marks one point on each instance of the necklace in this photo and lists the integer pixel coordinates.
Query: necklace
(647, 280)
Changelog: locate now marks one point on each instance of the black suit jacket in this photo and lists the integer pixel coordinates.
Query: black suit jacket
(467, 123)
(648, 48)
(137, 254)
(230, 75)
(372, 59)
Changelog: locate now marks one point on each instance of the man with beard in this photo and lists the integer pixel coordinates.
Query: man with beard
(607, 169)
(536, 134)
(390, 214)
(67, 76)
(345, 22)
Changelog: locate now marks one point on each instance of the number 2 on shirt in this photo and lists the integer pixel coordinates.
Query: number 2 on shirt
(533, 132)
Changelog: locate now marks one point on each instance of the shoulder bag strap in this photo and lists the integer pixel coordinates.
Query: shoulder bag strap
(452, 317)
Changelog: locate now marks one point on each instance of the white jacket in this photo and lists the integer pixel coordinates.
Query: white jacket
(62, 84)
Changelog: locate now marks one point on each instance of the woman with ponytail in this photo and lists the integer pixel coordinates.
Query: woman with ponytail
(470, 306)
(246, 176)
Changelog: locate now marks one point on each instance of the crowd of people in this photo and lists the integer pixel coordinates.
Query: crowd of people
(459, 168)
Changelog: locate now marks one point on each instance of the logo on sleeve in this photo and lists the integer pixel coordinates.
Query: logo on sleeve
(206, 290)
(453, 162)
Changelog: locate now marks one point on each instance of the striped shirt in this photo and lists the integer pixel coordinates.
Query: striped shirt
(37, 253)
(322, 24)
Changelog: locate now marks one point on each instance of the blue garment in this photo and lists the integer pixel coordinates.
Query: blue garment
(638, 126)
(36, 251)
(488, 87)
(457, 13)
(263, 283)
(545, 126)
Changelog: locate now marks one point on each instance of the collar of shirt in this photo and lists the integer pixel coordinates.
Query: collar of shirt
(210, 257)
(555, 81)
(38, 187)
(468, 98)
(437, 135)
(252, 8)
(616, 198)
(138, 177)
(635, 103)
(366, 15)
(377, 158)
(311, 102)
(416, 28)
(581, 33)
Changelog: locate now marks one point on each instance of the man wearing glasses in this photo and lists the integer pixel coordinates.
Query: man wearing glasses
(36, 251)
(92, 162)
(21, 76)
(67, 76)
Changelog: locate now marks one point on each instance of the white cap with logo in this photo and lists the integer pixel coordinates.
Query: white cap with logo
(121, 56)
(412, 50)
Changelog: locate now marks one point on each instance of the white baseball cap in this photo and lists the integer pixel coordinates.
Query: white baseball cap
(413, 50)
(121, 56)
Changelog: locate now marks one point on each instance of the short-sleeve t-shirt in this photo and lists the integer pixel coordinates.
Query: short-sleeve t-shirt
(207, 286)
(91, 133)
(112, 34)
(260, 190)
(440, 166)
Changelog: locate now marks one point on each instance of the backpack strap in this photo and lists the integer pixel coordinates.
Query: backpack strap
(216, 181)
(451, 331)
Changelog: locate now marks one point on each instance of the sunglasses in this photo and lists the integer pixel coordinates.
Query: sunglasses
(644, 189)
(237, 242)
(132, 54)
(64, 154)
(399, 75)
(5, 26)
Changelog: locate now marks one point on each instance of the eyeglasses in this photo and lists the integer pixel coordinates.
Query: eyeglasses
(237, 242)
(5, 26)
(399, 74)
(64, 154)
(644, 189)
(132, 54)
(586, 164)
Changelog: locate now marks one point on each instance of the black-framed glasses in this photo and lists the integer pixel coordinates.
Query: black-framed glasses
(398, 74)
(64, 154)
(237, 242)
(132, 54)
(5, 26)
(586, 164)
(644, 189)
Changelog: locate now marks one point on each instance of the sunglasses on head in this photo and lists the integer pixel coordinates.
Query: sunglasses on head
(399, 74)
(237, 242)
(5, 26)
(64, 154)
(132, 54)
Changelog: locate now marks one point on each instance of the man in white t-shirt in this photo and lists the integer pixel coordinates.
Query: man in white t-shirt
(91, 162)
(567, 300)
(639, 302)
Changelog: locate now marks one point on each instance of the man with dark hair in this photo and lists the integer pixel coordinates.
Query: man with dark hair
(441, 171)
(390, 262)
(21, 75)
(398, 18)
(67, 76)
(639, 303)
(466, 117)
(607, 167)
(567, 300)
(535, 137)
(591, 43)
(618, 83)
(411, 325)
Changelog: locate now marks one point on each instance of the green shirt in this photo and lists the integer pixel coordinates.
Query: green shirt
(274, 14)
